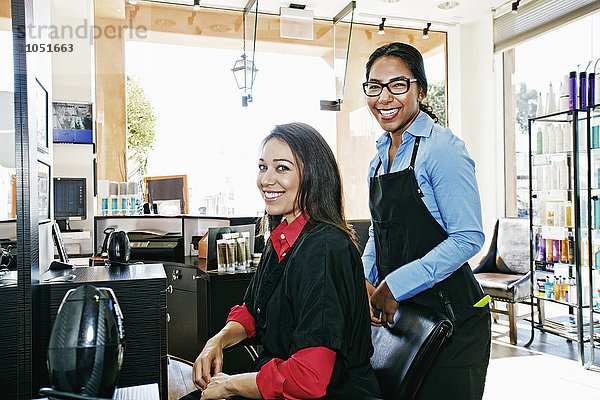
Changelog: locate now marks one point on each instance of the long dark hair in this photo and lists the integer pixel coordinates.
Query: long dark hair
(413, 59)
(320, 195)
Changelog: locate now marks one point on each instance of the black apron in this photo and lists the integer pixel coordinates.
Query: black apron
(404, 231)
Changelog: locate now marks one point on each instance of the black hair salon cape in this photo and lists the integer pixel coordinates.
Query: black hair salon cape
(316, 296)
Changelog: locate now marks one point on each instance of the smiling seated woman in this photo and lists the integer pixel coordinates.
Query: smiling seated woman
(307, 303)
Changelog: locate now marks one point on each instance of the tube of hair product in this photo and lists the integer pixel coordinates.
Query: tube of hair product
(240, 253)
(231, 255)
(246, 236)
(222, 255)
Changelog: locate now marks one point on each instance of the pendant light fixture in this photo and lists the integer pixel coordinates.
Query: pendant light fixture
(244, 70)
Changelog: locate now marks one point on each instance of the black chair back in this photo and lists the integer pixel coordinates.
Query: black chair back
(405, 351)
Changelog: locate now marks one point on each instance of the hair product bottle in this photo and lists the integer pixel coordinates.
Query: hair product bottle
(549, 251)
(572, 90)
(563, 100)
(582, 90)
(550, 100)
(571, 248)
(592, 89)
(564, 250)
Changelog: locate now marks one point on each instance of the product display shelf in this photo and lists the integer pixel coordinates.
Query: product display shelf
(558, 212)
(593, 137)
(553, 300)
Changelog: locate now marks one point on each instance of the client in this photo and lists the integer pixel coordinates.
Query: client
(307, 303)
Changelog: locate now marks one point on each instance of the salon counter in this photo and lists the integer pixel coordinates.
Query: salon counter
(140, 291)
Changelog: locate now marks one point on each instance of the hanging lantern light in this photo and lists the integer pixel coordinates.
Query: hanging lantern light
(244, 72)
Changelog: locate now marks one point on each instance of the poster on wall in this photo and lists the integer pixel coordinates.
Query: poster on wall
(41, 117)
(43, 191)
(72, 123)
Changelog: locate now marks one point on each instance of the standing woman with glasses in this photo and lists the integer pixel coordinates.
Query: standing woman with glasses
(426, 222)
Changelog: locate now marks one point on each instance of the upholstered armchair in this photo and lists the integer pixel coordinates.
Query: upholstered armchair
(504, 273)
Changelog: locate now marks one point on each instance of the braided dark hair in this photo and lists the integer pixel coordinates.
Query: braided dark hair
(414, 61)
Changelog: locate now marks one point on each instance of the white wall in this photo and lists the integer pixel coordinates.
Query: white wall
(73, 77)
(73, 72)
(472, 111)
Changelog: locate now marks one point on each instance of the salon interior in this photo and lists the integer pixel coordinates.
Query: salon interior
(121, 167)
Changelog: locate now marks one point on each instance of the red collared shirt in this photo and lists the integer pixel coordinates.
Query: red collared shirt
(284, 236)
(306, 374)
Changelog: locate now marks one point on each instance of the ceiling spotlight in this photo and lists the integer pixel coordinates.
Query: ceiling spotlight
(515, 7)
(132, 2)
(447, 5)
(426, 31)
(381, 26)
(196, 5)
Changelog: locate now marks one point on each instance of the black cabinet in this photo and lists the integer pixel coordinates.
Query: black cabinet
(8, 339)
(141, 293)
(198, 305)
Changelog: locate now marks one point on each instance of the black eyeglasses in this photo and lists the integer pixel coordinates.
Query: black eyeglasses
(395, 86)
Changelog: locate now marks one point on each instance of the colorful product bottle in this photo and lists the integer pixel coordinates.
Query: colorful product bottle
(549, 251)
(572, 90)
(564, 250)
(541, 249)
(571, 248)
(582, 90)
(556, 250)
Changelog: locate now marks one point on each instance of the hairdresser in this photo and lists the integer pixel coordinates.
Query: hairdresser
(307, 303)
(426, 222)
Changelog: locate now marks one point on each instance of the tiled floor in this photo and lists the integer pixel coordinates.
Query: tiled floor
(549, 369)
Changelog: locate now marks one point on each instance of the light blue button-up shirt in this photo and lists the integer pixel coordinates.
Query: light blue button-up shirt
(446, 175)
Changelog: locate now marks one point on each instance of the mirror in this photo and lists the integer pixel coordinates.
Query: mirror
(8, 225)
(8, 230)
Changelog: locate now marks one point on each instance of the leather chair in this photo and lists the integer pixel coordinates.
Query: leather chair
(405, 350)
(504, 272)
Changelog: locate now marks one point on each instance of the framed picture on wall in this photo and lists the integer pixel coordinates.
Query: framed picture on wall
(41, 117)
(43, 191)
(72, 123)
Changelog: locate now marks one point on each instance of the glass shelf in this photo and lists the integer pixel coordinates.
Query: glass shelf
(564, 303)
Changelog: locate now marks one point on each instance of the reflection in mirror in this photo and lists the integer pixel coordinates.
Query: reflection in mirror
(7, 128)
(8, 231)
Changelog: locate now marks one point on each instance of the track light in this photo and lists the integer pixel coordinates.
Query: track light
(196, 5)
(447, 5)
(426, 31)
(381, 26)
(515, 7)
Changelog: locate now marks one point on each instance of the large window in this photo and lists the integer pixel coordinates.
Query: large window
(184, 68)
(529, 70)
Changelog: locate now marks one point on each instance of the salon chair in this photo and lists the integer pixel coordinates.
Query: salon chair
(404, 351)
(504, 272)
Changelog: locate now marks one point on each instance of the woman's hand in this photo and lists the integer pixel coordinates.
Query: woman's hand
(210, 358)
(383, 304)
(223, 386)
(370, 290)
(218, 387)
